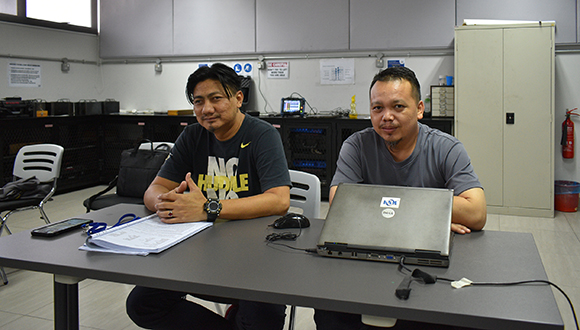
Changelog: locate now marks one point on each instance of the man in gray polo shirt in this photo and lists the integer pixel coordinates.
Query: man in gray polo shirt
(398, 150)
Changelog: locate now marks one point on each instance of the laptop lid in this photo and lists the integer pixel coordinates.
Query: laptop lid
(384, 223)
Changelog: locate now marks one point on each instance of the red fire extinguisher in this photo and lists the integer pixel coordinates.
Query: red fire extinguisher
(567, 141)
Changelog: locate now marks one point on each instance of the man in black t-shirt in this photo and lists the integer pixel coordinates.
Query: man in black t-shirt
(234, 168)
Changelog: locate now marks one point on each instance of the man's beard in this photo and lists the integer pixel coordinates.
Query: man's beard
(392, 144)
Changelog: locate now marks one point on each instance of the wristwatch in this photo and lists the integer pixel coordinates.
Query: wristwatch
(213, 208)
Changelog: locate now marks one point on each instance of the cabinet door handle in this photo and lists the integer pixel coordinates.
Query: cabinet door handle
(510, 118)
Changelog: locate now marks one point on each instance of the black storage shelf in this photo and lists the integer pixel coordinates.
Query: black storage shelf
(307, 145)
(93, 144)
(313, 144)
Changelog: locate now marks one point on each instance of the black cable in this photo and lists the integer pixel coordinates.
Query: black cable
(402, 265)
(534, 281)
(420, 274)
(313, 110)
(307, 250)
(285, 235)
(271, 238)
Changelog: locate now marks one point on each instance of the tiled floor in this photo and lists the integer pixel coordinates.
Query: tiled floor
(26, 302)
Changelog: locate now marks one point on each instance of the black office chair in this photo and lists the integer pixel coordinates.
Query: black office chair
(102, 199)
(40, 161)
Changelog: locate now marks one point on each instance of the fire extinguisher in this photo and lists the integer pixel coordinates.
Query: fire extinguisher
(567, 141)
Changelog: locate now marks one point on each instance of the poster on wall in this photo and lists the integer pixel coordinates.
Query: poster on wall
(337, 71)
(24, 74)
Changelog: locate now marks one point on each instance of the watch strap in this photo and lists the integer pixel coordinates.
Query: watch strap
(212, 215)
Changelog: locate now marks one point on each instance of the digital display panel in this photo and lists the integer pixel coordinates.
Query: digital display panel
(292, 106)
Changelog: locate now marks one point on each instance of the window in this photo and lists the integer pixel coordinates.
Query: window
(75, 12)
(75, 15)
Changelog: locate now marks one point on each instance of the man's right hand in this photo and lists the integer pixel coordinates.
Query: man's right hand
(175, 206)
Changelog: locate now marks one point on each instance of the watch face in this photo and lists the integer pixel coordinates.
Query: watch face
(213, 206)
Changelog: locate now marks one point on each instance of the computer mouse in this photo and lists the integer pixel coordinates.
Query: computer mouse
(291, 220)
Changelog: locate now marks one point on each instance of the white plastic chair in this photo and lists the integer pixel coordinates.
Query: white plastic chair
(305, 195)
(147, 145)
(42, 161)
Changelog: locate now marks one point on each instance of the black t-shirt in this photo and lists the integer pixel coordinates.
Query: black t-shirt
(249, 163)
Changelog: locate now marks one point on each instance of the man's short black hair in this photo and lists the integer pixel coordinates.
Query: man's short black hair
(229, 79)
(399, 73)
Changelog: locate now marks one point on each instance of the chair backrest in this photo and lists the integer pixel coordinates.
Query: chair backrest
(147, 145)
(305, 193)
(40, 160)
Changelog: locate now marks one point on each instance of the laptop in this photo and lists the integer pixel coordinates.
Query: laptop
(387, 223)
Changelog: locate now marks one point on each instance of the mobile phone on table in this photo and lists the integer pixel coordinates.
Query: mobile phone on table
(57, 228)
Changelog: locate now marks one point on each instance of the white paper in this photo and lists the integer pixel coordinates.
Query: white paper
(337, 71)
(143, 236)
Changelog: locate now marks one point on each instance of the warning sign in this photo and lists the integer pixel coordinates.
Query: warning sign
(278, 69)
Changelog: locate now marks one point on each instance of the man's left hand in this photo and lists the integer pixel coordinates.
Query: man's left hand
(176, 207)
(460, 229)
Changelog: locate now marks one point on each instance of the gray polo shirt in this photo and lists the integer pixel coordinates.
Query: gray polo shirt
(439, 160)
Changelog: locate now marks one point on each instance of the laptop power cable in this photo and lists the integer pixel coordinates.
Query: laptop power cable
(403, 291)
(288, 236)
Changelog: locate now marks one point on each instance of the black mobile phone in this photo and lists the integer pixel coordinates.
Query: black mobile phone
(57, 228)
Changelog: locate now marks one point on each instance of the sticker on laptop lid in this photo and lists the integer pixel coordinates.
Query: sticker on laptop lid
(392, 202)
(388, 213)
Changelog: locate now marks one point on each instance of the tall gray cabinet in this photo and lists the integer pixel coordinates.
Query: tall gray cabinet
(504, 97)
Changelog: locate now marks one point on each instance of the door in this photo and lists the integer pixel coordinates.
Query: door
(528, 146)
(479, 105)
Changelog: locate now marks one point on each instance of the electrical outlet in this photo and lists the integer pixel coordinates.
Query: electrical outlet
(65, 66)
(380, 63)
(261, 65)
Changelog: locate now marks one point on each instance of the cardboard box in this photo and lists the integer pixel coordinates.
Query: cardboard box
(180, 112)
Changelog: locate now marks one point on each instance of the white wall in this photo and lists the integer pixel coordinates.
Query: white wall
(138, 86)
(81, 82)
(567, 97)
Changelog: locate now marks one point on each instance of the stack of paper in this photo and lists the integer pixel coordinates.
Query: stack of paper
(143, 236)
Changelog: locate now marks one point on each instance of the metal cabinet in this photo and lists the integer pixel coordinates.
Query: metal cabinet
(504, 103)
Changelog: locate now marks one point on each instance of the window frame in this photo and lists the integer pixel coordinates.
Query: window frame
(20, 18)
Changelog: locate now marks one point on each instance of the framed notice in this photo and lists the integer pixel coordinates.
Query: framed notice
(24, 74)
